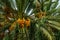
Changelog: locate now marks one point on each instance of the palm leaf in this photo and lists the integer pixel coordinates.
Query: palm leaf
(44, 31)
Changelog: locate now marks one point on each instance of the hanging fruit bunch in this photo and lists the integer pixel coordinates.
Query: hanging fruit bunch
(22, 23)
(40, 15)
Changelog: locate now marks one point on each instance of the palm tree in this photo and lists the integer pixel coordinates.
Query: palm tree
(29, 19)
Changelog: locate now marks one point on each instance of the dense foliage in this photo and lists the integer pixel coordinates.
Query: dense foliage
(29, 20)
